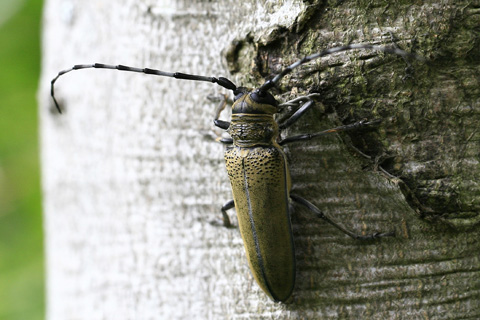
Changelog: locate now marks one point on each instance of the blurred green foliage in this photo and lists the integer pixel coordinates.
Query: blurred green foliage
(21, 238)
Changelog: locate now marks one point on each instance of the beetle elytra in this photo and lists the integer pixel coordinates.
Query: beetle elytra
(258, 170)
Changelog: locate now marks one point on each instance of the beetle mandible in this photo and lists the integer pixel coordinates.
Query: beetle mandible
(258, 170)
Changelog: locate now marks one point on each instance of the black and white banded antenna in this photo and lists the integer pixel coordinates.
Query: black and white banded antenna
(224, 82)
(392, 50)
(221, 81)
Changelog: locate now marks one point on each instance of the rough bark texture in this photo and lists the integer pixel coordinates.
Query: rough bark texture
(132, 174)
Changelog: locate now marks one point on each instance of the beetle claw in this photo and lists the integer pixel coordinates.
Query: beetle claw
(221, 223)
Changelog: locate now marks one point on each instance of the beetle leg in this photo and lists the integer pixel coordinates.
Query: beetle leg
(304, 103)
(221, 124)
(321, 215)
(221, 106)
(226, 219)
(226, 140)
(309, 136)
(223, 102)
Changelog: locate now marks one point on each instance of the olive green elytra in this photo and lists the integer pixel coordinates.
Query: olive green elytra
(258, 173)
(258, 170)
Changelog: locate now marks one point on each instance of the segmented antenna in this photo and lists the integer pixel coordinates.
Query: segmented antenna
(221, 81)
(392, 50)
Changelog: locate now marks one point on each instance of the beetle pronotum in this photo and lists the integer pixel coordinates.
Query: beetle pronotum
(258, 170)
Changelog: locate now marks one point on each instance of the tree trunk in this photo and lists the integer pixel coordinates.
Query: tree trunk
(133, 176)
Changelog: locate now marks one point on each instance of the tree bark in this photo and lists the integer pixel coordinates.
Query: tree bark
(133, 176)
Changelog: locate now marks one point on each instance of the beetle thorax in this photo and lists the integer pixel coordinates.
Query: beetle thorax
(252, 122)
(248, 130)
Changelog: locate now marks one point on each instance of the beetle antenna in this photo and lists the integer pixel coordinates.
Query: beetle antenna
(221, 81)
(392, 50)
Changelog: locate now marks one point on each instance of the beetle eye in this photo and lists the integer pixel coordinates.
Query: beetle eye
(239, 92)
(263, 97)
(258, 96)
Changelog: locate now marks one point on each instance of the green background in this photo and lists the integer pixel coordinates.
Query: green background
(21, 240)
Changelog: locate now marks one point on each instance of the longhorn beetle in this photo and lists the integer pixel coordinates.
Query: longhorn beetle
(258, 171)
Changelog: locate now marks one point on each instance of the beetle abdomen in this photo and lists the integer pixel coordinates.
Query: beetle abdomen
(260, 186)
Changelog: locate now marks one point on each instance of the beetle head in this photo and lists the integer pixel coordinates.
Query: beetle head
(254, 101)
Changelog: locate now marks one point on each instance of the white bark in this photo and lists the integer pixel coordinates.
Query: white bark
(131, 172)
